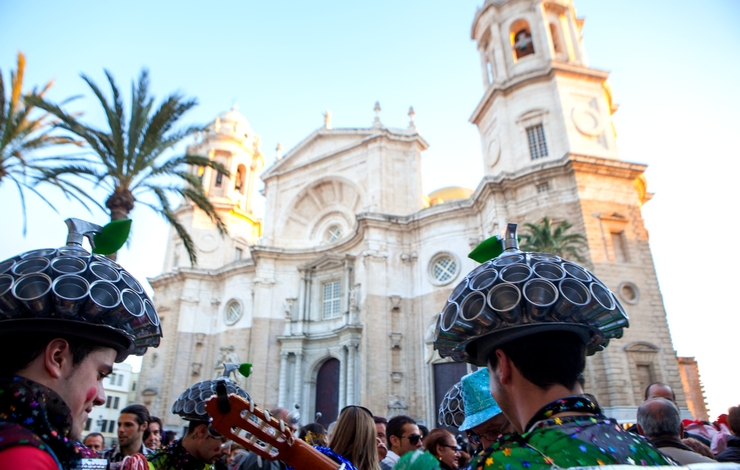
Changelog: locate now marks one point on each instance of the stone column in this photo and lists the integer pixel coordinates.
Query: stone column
(283, 386)
(343, 378)
(352, 349)
(298, 379)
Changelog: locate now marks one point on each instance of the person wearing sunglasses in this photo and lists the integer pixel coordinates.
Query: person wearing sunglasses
(484, 422)
(442, 445)
(202, 445)
(403, 436)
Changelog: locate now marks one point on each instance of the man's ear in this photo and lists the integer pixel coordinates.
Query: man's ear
(640, 430)
(144, 426)
(57, 357)
(504, 367)
(391, 440)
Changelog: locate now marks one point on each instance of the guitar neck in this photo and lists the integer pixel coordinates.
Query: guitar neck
(271, 439)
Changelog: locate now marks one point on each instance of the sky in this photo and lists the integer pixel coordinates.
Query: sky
(674, 69)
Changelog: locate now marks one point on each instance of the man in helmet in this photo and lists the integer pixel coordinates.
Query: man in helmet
(54, 357)
(535, 353)
(202, 445)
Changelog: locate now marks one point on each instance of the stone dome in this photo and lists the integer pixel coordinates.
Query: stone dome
(232, 122)
(448, 194)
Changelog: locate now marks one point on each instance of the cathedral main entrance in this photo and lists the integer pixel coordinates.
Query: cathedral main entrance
(327, 392)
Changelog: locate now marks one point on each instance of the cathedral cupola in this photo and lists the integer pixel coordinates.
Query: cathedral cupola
(230, 140)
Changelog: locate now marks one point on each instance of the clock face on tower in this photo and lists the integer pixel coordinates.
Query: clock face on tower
(233, 312)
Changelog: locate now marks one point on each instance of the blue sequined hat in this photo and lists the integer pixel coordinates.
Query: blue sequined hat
(479, 404)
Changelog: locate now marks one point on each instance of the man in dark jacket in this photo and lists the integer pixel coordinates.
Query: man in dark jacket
(732, 453)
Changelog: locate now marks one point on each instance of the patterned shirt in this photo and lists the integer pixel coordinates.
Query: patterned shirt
(175, 457)
(571, 441)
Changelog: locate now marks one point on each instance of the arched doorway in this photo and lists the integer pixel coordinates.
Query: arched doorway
(327, 392)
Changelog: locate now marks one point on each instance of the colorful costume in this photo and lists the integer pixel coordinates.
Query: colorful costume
(175, 457)
(569, 441)
(34, 427)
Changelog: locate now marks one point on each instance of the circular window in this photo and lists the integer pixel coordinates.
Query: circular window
(333, 233)
(233, 312)
(443, 269)
(629, 292)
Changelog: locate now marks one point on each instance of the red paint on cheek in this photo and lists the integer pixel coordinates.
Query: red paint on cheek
(91, 394)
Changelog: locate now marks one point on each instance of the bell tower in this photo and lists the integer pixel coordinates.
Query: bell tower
(541, 100)
(230, 141)
(549, 150)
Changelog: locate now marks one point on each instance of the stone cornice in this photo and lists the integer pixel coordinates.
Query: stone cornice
(181, 274)
(518, 81)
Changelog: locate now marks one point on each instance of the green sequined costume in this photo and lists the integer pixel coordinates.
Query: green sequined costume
(175, 457)
(569, 441)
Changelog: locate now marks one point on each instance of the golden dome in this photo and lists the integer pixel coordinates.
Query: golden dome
(450, 193)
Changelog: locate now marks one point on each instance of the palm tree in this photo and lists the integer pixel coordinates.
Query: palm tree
(542, 237)
(22, 134)
(131, 159)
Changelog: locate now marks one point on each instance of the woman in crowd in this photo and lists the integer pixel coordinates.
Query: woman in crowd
(355, 438)
(441, 444)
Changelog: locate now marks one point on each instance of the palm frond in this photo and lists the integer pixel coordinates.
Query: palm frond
(166, 212)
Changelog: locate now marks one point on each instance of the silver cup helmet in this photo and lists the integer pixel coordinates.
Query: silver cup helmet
(517, 294)
(72, 292)
(191, 405)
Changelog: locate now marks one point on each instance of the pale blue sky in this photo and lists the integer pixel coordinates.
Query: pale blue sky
(674, 64)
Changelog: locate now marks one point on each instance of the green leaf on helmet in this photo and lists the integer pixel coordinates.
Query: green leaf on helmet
(112, 237)
(245, 369)
(488, 249)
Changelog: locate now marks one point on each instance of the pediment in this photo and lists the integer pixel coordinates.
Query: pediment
(321, 144)
(641, 347)
(326, 262)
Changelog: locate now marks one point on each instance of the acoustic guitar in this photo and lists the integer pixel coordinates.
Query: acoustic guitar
(256, 430)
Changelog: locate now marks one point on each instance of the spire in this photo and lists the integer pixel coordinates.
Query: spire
(279, 151)
(327, 119)
(412, 115)
(377, 123)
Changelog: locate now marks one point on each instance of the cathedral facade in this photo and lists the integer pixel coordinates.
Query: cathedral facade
(333, 295)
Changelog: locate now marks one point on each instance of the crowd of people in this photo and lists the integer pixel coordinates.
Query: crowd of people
(523, 407)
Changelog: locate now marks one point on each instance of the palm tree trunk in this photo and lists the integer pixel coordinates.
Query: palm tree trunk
(120, 203)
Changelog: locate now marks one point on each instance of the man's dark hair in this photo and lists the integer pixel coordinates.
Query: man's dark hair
(193, 425)
(659, 417)
(169, 437)
(546, 359)
(395, 426)
(733, 419)
(424, 431)
(647, 389)
(147, 431)
(140, 411)
(18, 351)
(380, 420)
(95, 434)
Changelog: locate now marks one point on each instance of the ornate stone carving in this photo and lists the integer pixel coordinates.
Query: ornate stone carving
(396, 405)
(409, 257)
(396, 376)
(396, 340)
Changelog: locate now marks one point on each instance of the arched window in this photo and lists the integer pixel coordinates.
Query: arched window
(556, 46)
(240, 176)
(521, 39)
(487, 62)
